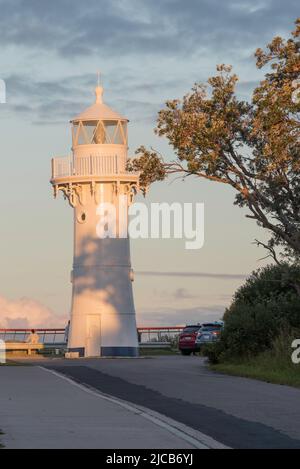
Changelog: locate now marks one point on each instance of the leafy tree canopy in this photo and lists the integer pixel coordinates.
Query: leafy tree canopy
(250, 146)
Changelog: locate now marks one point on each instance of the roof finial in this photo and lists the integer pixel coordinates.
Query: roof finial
(98, 90)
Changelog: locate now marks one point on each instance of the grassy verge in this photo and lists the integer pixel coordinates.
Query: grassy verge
(156, 352)
(264, 367)
(12, 363)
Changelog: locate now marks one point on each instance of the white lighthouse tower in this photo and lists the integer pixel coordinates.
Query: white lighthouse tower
(94, 177)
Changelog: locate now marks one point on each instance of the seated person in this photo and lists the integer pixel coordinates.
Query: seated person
(33, 338)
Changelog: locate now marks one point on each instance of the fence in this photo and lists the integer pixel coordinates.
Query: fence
(47, 336)
(57, 336)
(158, 334)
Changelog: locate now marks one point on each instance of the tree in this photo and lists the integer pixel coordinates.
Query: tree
(252, 147)
(266, 306)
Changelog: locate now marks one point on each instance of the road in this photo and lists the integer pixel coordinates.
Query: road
(40, 409)
(238, 412)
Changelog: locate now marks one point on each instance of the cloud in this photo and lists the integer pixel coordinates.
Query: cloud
(221, 276)
(47, 102)
(131, 37)
(172, 316)
(245, 88)
(178, 294)
(183, 294)
(72, 29)
(27, 313)
(140, 27)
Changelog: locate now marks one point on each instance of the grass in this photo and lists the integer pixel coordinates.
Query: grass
(267, 367)
(257, 371)
(12, 363)
(146, 352)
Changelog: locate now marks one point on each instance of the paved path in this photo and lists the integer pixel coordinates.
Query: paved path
(41, 410)
(239, 412)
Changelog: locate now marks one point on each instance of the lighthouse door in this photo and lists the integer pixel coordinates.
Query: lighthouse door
(93, 342)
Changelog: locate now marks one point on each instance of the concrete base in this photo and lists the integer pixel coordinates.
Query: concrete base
(119, 352)
(110, 351)
(79, 350)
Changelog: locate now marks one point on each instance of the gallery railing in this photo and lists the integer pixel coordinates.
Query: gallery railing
(88, 165)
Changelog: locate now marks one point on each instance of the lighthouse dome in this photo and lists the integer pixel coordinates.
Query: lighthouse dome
(99, 110)
(99, 125)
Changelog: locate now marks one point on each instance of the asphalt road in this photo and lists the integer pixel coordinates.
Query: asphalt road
(238, 412)
(40, 409)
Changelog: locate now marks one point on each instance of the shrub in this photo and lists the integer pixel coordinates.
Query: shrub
(263, 307)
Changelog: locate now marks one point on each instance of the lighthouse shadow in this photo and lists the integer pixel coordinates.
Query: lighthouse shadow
(102, 275)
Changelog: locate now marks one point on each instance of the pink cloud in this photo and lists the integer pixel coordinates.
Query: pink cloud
(26, 313)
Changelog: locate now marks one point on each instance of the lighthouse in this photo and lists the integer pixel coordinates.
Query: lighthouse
(96, 184)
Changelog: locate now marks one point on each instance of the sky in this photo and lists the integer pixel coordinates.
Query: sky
(148, 53)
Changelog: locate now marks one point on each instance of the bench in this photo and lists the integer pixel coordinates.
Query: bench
(22, 347)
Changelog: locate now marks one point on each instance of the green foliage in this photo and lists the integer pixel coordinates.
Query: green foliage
(263, 308)
(273, 365)
(149, 165)
(267, 283)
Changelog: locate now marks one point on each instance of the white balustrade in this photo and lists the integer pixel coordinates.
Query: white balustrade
(88, 166)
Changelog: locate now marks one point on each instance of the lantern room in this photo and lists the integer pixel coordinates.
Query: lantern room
(99, 125)
(99, 130)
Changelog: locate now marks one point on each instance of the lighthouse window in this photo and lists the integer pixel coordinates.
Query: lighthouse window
(110, 130)
(118, 137)
(124, 130)
(99, 136)
(100, 132)
(81, 136)
(75, 133)
(81, 217)
(90, 128)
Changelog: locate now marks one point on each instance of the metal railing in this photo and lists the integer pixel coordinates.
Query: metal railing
(58, 336)
(47, 336)
(158, 334)
(88, 165)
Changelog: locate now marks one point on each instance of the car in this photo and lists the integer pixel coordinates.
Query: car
(187, 339)
(209, 333)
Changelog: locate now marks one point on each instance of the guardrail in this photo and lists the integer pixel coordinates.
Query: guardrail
(58, 336)
(47, 336)
(88, 165)
(158, 334)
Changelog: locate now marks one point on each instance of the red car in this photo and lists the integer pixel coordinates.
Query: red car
(187, 340)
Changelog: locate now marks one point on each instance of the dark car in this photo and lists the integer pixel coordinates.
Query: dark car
(187, 339)
(208, 333)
